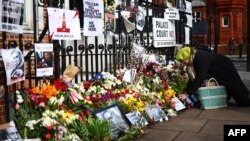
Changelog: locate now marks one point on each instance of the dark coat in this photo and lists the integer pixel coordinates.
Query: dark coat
(207, 65)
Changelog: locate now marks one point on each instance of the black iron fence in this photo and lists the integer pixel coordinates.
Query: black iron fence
(91, 58)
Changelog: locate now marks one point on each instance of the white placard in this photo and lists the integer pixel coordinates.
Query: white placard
(188, 7)
(12, 15)
(93, 13)
(189, 20)
(64, 24)
(44, 59)
(163, 32)
(187, 35)
(171, 14)
(129, 76)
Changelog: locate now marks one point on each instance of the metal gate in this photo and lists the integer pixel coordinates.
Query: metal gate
(91, 58)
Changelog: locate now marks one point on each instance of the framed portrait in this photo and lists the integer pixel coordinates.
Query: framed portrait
(9, 132)
(155, 112)
(118, 121)
(137, 119)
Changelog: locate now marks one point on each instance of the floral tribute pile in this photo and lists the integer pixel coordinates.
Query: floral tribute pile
(65, 111)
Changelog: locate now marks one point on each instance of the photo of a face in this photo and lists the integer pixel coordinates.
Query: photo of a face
(10, 134)
(118, 123)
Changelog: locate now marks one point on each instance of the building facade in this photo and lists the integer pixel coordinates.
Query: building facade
(226, 19)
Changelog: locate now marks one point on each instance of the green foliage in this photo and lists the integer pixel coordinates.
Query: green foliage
(132, 133)
(98, 130)
(178, 84)
(79, 128)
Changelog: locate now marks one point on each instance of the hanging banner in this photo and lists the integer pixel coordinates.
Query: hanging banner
(12, 16)
(44, 60)
(163, 32)
(140, 18)
(93, 13)
(14, 65)
(64, 24)
(171, 14)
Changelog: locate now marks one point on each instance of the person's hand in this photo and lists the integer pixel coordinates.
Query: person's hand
(183, 96)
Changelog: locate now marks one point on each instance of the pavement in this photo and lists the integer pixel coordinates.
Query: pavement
(201, 125)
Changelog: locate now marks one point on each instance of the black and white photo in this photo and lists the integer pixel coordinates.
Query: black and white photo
(155, 112)
(137, 119)
(117, 120)
(10, 133)
(14, 65)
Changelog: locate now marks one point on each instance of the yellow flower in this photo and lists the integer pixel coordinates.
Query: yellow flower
(170, 93)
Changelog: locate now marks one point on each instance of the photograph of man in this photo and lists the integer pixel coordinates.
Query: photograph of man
(10, 134)
(44, 59)
(18, 64)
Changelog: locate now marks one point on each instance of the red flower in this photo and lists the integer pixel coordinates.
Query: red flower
(60, 85)
(165, 84)
(86, 85)
(47, 136)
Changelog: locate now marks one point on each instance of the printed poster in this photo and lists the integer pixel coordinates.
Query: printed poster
(163, 32)
(93, 13)
(189, 20)
(171, 14)
(188, 7)
(13, 60)
(140, 18)
(12, 16)
(44, 59)
(64, 24)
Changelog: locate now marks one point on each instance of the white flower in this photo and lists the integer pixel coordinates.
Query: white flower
(52, 100)
(47, 121)
(19, 98)
(31, 123)
(60, 100)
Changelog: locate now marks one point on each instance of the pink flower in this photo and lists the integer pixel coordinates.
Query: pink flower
(42, 104)
(17, 106)
(75, 97)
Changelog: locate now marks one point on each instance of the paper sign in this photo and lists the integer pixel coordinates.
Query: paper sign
(163, 32)
(172, 14)
(64, 24)
(12, 16)
(14, 65)
(93, 13)
(44, 59)
(179, 105)
(129, 75)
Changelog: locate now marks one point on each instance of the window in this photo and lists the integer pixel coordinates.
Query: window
(225, 21)
(197, 16)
